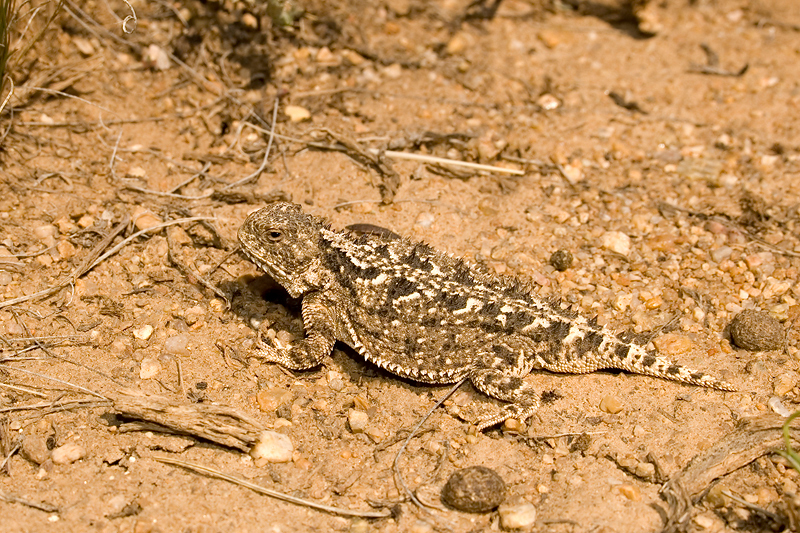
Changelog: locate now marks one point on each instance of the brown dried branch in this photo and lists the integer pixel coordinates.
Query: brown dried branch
(753, 438)
(216, 423)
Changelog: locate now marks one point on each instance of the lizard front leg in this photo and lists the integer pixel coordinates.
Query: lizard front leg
(308, 352)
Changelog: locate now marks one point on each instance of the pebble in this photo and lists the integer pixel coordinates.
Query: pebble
(561, 260)
(354, 58)
(517, 516)
(156, 57)
(425, 220)
(193, 314)
(756, 331)
(272, 447)
(673, 344)
(269, 400)
(83, 45)
(399, 7)
(631, 492)
(777, 406)
(784, 383)
(178, 344)
(421, 526)
(66, 249)
(573, 172)
(144, 219)
(393, 71)
(68, 453)
(150, 368)
(45, 233)
(297, 113)
(458, 43)
(335, 381)
(143, 332)
(703, 521)
(286, 337)
(610, 404)
(359, 525)
(250, 21)
(475, 489)
(357, 420)
(34, 449)
(548, 102)
(115, 504)
(617, 242)
(720, 254)
(645, 471)
(775, 288)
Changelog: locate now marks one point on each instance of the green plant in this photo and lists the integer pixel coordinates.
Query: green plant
(790, 454)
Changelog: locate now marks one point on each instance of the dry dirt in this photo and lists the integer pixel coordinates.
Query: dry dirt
(670, 178)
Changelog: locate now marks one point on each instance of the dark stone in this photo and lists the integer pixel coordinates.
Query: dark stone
(561, 260)
(756, 331)
(475, 489)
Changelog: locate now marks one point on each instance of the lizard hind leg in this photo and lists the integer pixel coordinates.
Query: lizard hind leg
(522, 397)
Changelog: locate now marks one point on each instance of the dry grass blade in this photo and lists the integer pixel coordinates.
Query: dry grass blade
(89, 264)
(51, 378)
(274, 494)
(396, 463)
(453, 162)
(54, 407)
(43, 506)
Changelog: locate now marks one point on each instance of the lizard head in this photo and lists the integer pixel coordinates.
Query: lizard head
(283, 242)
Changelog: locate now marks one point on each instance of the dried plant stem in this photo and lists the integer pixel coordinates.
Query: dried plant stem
(87, 265)
(274, 494)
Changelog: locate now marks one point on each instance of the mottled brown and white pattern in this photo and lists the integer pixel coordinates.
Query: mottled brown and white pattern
(425, 315)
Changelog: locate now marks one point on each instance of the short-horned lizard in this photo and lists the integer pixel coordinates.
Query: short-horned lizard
(425, 315)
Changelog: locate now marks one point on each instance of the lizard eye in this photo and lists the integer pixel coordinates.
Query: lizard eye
(274, 235)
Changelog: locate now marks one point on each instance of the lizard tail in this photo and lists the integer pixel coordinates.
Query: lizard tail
(640, 361)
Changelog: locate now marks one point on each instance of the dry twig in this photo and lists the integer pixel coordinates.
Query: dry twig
(752, 438)
(274, 494)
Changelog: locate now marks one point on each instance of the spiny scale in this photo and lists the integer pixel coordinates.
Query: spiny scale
(425, 315)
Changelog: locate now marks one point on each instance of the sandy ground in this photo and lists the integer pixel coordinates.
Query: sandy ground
(668, 172)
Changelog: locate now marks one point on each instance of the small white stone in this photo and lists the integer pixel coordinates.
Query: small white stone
(68, 453)
(703, 521)
(393, 71)
(115, 504)
(137, 172)
(573, 172)
(548, 102)
(177, 345)
(156, 57)
(46, 232)
(150, 368)
(272, 447)
(425, 220)
(357, 420)
(777, 406)
(517, 516)
(143, 332)
(297, 113)
(617, 242)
